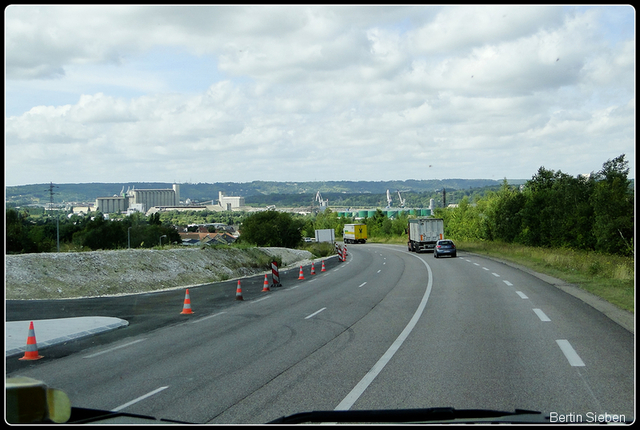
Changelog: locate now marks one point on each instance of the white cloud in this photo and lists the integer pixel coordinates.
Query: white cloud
(298, 93)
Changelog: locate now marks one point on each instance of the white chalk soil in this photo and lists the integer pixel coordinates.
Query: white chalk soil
(105, 273)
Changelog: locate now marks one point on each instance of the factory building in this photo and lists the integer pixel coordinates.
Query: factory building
(141, 200)
(228, 203)
(109, 205)
(151, 198)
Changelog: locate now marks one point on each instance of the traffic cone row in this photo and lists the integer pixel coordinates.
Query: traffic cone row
(186, 309)
(31, 353)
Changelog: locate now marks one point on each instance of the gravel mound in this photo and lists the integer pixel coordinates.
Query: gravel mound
(104, 273)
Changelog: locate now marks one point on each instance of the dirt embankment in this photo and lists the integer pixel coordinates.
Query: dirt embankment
(103, 273)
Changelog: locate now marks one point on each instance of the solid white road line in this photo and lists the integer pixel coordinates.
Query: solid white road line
(357, 391)
(570, 353)
(139, 398)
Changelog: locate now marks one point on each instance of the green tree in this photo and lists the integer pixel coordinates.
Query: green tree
(378, 224)
(272, 228)
(465, 221)
(503, 214)
(17, 232)
(556, 211)
(613, 204)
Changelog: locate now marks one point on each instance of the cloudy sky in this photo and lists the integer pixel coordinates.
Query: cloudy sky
(295, 93)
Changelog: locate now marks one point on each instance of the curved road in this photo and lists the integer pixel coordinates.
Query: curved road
(386, 329)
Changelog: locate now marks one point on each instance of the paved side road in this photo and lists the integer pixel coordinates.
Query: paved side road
(55, 331)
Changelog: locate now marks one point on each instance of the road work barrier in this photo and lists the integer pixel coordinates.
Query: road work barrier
(275, 275)
(31, 352)
(186, 307)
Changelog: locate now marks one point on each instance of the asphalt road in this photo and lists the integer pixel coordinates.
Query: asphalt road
(386, 329)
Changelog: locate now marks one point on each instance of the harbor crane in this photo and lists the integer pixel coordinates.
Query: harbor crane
(402, 201)
(323, 203)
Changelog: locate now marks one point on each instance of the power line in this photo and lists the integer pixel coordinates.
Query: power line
(51, 193)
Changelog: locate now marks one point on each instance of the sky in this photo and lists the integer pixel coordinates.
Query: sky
(192, 94)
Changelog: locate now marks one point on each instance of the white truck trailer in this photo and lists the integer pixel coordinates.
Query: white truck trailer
(424, 233)
(326, 235)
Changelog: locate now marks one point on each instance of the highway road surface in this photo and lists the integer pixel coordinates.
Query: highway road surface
(387, 329)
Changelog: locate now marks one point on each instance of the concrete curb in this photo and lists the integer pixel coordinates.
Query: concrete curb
(50, 332)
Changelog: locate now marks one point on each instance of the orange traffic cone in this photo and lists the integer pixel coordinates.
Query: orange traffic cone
(266, 285)
(313, 269)
(186, 308)
(239, 292)
(323, 269)
(31, 352)
(301, 276)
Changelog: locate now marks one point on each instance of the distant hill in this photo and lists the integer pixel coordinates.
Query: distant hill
(207, 192)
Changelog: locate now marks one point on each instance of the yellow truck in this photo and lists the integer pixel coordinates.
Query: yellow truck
(355, 233)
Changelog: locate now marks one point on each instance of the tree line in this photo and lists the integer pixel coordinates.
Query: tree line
(26, 234)
(553, 209)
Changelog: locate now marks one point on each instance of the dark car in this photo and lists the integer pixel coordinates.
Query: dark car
(444, 247)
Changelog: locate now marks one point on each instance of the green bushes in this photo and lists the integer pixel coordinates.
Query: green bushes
(555, 210)
(272, 228)
(320, 249)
